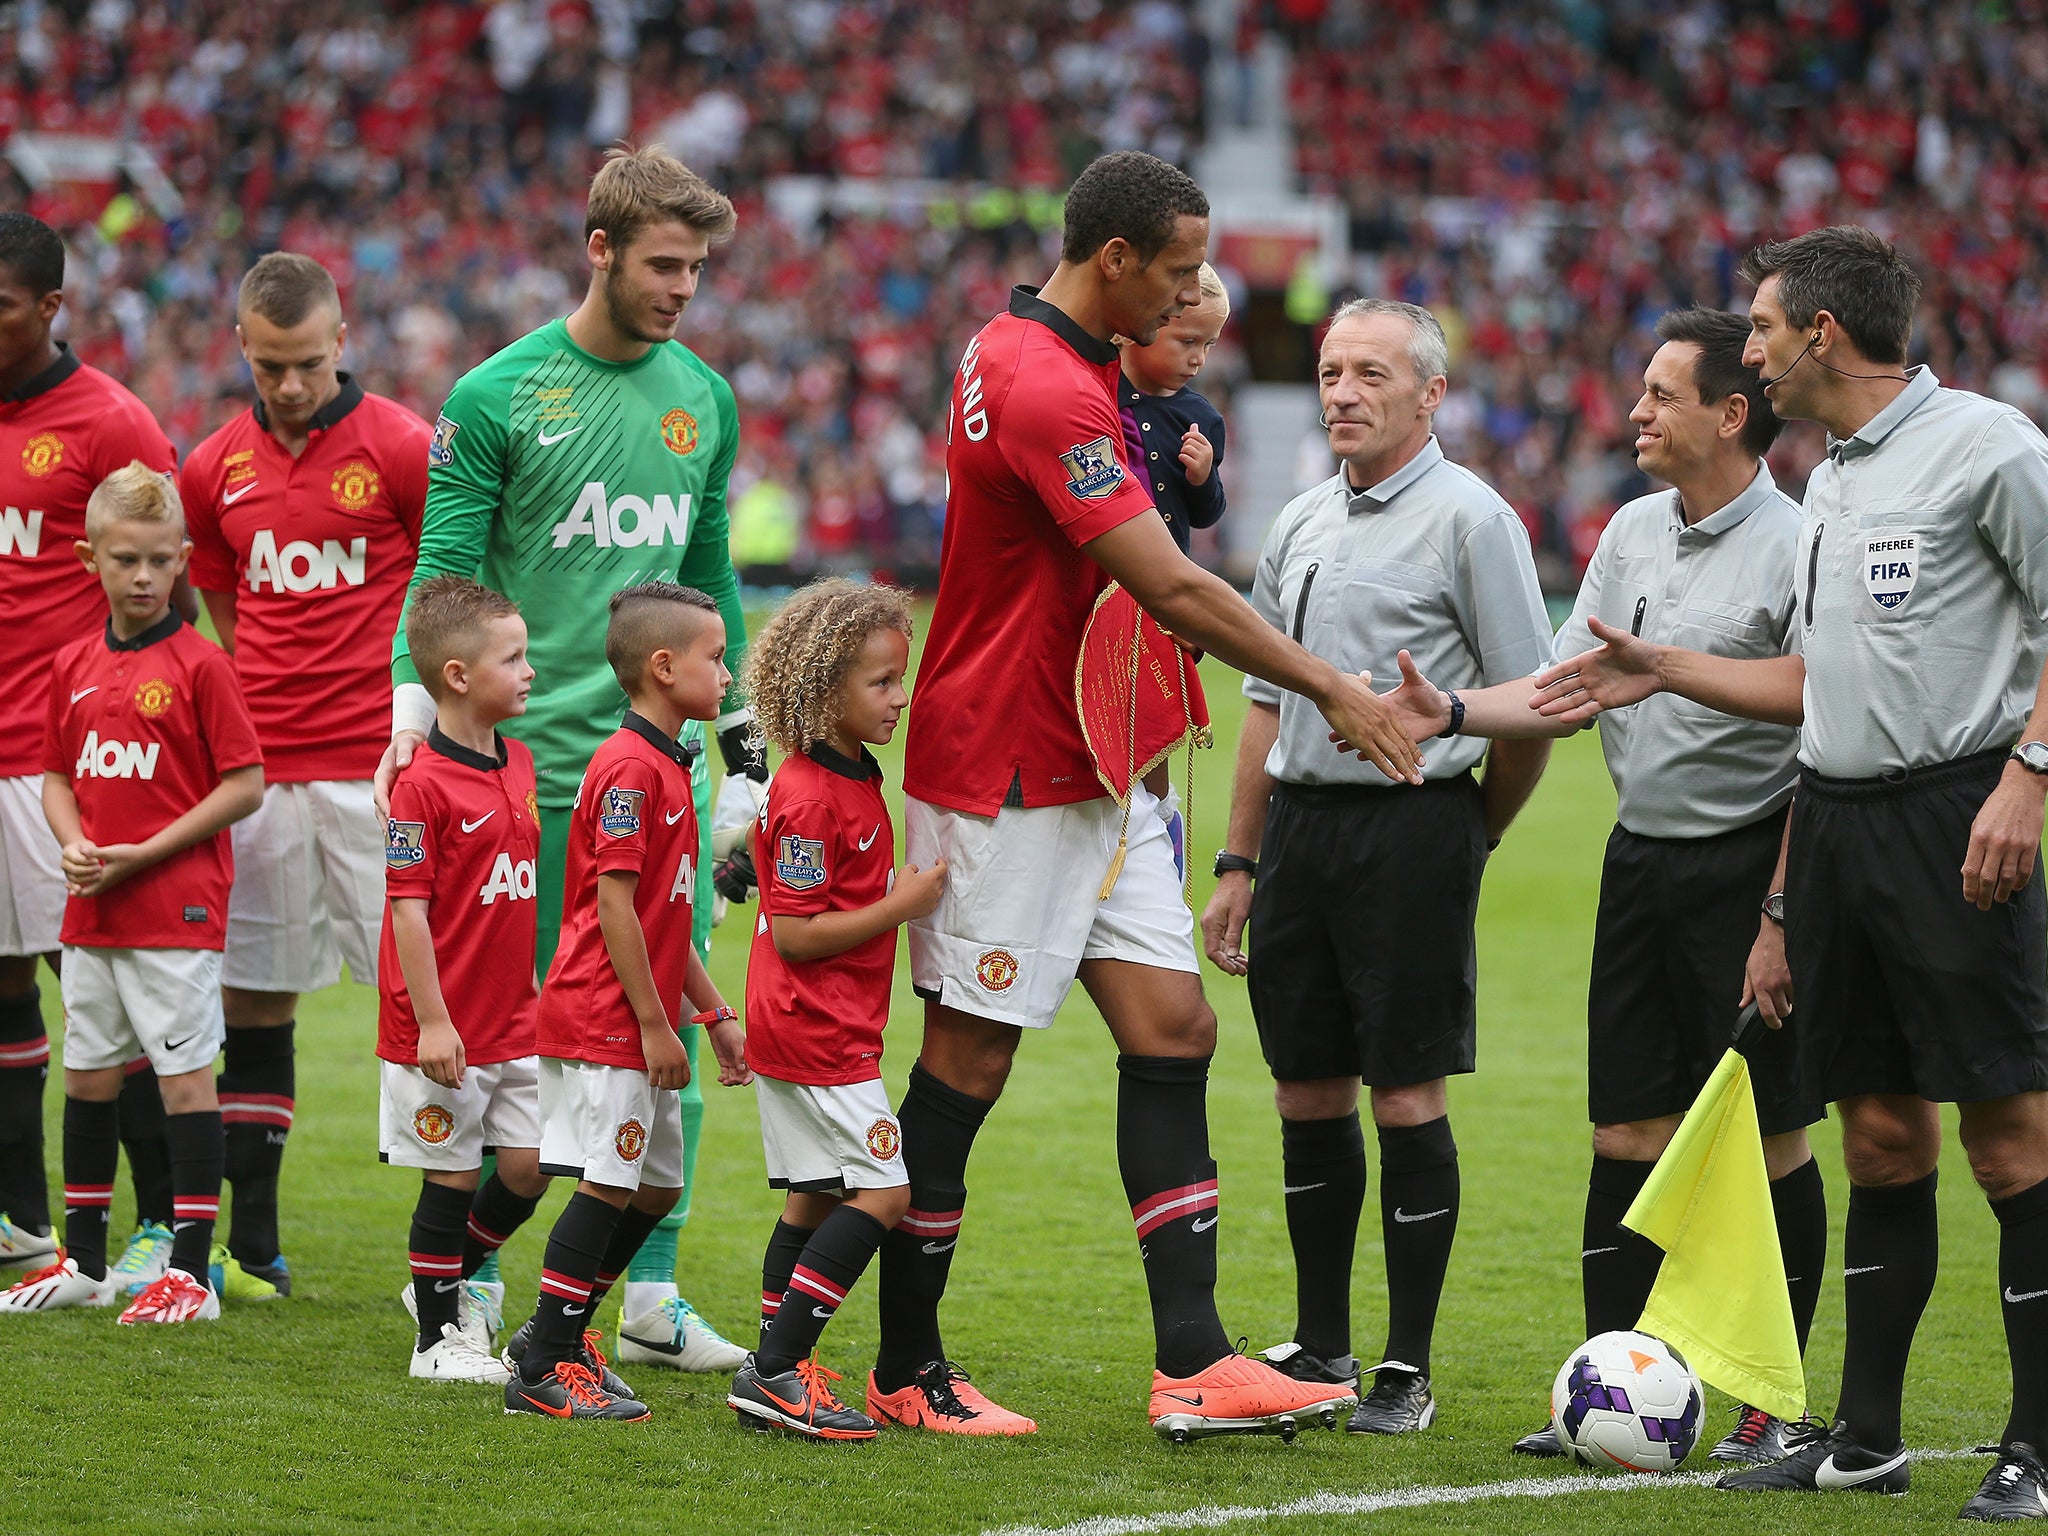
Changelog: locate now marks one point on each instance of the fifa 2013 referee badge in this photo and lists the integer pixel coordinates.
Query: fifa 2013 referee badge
(1891, 567)
(621, 814)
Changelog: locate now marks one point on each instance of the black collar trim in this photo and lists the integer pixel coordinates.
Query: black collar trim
(456, 752)
(66, 365)
(162, 629)
(648, 731)
(833, 760)
(329, 414)
(1025, 304)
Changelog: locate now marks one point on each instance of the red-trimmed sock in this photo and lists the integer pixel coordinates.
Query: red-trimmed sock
(837, 1255)
(24, 1069)
(785, 1247)
(92, 1156)
(198, 1148)
(494, 1215)
(568, 1270)
(434, 1252)
(258, 1080)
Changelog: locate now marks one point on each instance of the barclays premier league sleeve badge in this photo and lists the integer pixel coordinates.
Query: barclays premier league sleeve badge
(1891, 565)
(1093, 469)
(800, 862)
(404, 844)
(620, 816)
(441, 451)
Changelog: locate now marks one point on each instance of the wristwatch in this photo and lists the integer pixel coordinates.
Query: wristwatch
(2032, 756)
(716, 1016)
(1233, 863)
(1774, 907)
(1457, 715)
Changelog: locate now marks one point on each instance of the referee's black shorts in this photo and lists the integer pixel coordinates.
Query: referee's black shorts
(1898, 984)
(1678, 918)
(1361, 931)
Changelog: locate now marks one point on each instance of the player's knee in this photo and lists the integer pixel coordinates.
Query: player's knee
(1634, 1141)
(886, 1205)
(1327, 1098)
(1886, 1142)
(1786, 1153)
(1410, 1104)
(655, 1199)
(519, 1171)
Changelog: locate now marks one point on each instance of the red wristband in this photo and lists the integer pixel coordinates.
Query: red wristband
(717, 1016)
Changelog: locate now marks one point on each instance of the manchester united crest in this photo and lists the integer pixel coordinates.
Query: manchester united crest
(884, 1139)
(679, 431)
(154, 697)
(433, 1124)
(41, 454)
(630, 1141)
(533, 806)
(355, 485)
(995, 970)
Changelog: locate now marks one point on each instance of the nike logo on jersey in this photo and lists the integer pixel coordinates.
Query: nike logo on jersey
(1203, 1226)
(546, 440)
(229, 498)
(940, 1247)
(868, 841)
(2012, 1295)
(95, 688)
(471, 826)
(1302, 1189)
(1829, 1475)
(670, 818)
(1868, 1269)
(1402, 1216)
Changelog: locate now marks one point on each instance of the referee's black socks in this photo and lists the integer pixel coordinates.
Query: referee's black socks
(1799, 1205)
(1162, 1149)
(1617, 1267)
(1322, 1180)
(939, 1124)
(1418, 1222)
(1890, 1248)
(2023, 1289)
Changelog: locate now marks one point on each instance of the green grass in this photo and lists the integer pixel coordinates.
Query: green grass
(298, 1416)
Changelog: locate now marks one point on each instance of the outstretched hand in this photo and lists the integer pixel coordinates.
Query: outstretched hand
(1622, 670)
(1423, 708)
(1362, 722)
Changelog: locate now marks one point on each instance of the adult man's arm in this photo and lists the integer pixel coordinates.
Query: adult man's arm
(1251, 791)
(707, 566)
(1512, 771)
(1625, 669)
(1204, 609)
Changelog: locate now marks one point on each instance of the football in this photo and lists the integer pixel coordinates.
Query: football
(1627, 1400)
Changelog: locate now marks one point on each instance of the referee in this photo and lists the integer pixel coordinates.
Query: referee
(1914, 932)
(1364, 967)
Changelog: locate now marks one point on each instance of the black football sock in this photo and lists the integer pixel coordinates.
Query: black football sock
(142, 1138)
(1799, 1203)
(197, 1144)
(434, 1250)
(257, 1084)
(1322, 1165)
(1418, 1222)
(627, 1235)
(1162, 1150)
(494, 1215)
(1891, 1248)
(568, 1269)
(24, 1067)
(1617, 1267)
(939, 1124)
(92, 1155)
(837, 1255)
(785, 1246)
(2023, 1287)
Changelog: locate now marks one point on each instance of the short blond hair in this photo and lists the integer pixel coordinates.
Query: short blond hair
(638, 187)
(802, 655)
(1212, 288)
(285, 288)
(446, 623)
(134, 493)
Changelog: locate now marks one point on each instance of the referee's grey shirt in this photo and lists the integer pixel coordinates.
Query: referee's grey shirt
(1430, 560)
(1923, 584)
(1724, 586)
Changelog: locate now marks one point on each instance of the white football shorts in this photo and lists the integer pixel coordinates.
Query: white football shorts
(161, 1003)
(309, 888)
(421, 1124)
(1022, 908)
(608, 1125)
(31, 874)
(821, 1138)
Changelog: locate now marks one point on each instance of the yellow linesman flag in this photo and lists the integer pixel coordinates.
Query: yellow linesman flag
(1720, 1295)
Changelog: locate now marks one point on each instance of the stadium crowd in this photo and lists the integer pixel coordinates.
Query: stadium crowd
(1547, 177)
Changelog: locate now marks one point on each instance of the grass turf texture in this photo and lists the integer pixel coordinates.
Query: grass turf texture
(298, 1415)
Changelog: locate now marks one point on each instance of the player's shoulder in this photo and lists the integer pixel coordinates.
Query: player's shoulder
(493, 380)
(80, 653)
(120, 417)
(231, 436)
(200, 656)
(386, 419)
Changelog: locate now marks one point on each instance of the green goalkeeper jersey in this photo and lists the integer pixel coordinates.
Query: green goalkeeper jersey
(557, 478)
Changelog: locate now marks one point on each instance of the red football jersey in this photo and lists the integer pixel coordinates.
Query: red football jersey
(633, 813)
(1035, 469)
(61, 434)
(823, 844)
(144, 729)
(317, 551)
(464, 837)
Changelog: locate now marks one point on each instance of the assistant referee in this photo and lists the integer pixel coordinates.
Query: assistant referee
(1364, 967)
(1923, 595)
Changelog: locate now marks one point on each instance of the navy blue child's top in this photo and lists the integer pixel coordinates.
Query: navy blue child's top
(1153, 428)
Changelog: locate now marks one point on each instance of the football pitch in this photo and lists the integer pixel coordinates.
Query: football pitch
(297, 1416)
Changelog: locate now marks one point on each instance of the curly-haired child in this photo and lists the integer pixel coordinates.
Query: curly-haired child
(826, 678)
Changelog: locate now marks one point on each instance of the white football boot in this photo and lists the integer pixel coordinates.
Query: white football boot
(674, 1336)
(59, 1285)
(457, 1358)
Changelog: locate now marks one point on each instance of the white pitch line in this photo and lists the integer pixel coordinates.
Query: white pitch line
(1215, 1516)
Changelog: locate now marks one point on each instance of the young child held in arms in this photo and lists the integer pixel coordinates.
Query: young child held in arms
(826, 679)
(625, 977)
(456, 995)
(148, 757)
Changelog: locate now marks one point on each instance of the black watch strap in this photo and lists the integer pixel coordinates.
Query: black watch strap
(1236, 863)
(1457, 715)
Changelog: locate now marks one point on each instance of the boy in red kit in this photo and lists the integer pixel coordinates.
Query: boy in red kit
(825, 676)
(148, 756)
(610, 1059)
(455, 1026)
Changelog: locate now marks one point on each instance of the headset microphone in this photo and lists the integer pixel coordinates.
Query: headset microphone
(1323, 418)
(1811, 342)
